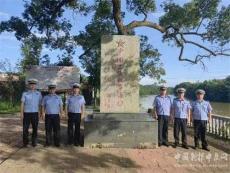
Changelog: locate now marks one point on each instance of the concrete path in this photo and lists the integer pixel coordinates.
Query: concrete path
(65, 159)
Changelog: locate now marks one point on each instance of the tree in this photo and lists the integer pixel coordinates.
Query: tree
(216, 90)
(31, 51)
(198, 18)
(11, 89)
(43, 20)
(65, 61)
(202, 19)
(102, 24)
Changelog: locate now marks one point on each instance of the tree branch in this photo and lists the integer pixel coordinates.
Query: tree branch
(149, 24)
(170, 32)
(198, 45)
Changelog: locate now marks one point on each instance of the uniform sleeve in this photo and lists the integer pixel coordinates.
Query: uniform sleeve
(23, 97)
(209, 107)
(83, 100)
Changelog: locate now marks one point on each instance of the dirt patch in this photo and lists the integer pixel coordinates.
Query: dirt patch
(70, 159)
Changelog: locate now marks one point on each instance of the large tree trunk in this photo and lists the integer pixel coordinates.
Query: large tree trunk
(117, 17)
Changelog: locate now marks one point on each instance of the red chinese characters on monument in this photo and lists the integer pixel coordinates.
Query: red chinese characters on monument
(118, 99)
(119, 64)
(119, 74)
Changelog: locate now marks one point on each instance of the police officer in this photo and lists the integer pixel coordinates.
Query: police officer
(162, 108)
(181, 113)
(30, 109)
(201, 113)
(52, 107)
(74, 109)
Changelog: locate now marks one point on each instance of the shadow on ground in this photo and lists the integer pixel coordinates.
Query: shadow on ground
(72, 159)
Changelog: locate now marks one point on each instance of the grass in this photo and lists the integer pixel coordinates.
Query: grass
(7, 108)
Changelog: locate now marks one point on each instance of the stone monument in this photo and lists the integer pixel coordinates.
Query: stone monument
(119, 122)
(119, 74)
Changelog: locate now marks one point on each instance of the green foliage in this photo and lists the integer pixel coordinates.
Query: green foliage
(65, 61)
(178, 16)
(150, 63)
(189, 15)
(141, 6)
(44, 20)
(216, 90)
(16, 25)
(90, 40)
(7, 107)
(11, 91)
(43, 24)
(152, 90)
(219, 27)
(31, 51)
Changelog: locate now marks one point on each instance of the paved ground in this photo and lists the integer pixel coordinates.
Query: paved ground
(15, 159)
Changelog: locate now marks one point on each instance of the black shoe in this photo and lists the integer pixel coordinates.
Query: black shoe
(197, 146)
(185, 146)
(34, 144)
(76, 144)
(206, 148)
(46, 145)
(24, 145)
(166, 144)
(57, 145)
(175, 145)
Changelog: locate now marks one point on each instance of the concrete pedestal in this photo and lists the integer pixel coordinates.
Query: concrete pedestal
(120, 130)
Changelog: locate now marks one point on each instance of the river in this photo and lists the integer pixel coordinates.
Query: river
(218, 107)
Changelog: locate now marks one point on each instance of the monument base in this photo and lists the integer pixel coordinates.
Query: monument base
(120, 130)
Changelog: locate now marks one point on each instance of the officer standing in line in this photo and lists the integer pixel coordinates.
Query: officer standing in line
(52, 107)
(30, 110)
(201, 113)
(75, 104)
(181, 113)
(162, 108)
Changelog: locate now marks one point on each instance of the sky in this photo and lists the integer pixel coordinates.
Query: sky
(176, 71)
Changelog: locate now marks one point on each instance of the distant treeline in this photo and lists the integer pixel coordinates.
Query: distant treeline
(152, 90)
(216, 90)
